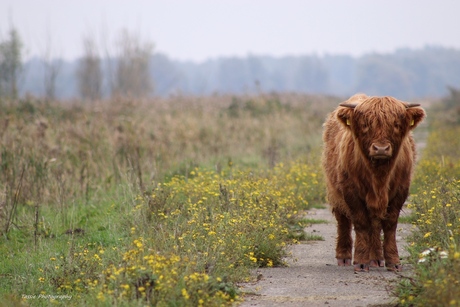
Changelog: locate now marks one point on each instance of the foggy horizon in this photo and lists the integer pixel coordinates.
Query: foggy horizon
(255, 55)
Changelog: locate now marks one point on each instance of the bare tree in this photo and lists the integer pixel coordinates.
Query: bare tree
(51, 67)
(132, 78)
(10, 64)
(108, 65)
(89, 72)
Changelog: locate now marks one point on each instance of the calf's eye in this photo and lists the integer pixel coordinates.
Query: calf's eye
(397, 127)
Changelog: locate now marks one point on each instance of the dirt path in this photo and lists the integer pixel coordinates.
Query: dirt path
(314, 279)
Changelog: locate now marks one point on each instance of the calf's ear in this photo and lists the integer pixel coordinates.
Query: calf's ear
(415, 115)
(344, 113)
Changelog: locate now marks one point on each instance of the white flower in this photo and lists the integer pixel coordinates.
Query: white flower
(432, 252)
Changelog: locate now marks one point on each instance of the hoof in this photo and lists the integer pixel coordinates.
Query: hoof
(377, 263)
(361, 267)
(394, 267)
(343, 262)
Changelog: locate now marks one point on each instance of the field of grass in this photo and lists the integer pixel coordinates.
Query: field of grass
(169, 202)
(172, 202)
(435, 200)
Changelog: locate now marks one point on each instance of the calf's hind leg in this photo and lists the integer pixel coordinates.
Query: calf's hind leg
(344, 246)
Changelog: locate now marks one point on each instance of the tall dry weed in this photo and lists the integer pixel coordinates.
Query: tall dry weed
(70, 152)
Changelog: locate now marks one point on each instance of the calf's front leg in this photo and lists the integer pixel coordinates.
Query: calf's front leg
(343, 251)
(361, 223)
(375, 244)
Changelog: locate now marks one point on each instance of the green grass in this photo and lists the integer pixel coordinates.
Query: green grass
(319, 206)
(313, 237)
(312, 221)
(298, 232)
(407, 219)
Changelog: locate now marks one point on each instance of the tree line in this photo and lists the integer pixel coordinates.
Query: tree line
(131, 69)
(124, 72)
(405, 73)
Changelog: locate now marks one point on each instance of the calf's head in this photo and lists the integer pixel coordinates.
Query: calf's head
(379, 124)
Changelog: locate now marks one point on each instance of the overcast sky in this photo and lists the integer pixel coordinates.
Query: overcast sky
(200, 29)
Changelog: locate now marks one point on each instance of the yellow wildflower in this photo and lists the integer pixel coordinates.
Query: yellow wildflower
(185, 294)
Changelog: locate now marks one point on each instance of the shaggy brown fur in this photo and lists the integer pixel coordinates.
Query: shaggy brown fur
(368, 157)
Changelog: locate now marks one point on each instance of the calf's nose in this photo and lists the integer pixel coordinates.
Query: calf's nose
(382, 151)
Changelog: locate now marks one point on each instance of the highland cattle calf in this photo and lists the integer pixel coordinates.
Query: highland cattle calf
(368, 157)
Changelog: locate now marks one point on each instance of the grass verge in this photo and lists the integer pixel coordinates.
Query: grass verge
(435, 244)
